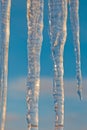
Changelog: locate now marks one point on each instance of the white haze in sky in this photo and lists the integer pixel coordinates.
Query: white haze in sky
(75, 111)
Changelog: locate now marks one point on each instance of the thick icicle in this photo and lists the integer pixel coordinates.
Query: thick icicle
(4, 45)
(35, 27)
(58, 128)
(58, 32)
(74, 16)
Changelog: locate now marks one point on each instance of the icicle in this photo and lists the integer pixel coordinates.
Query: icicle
(32, 128)
(58, 128)
(4, 44)
(35, 27)
(57, 22)
(0, 64)
(74, 7)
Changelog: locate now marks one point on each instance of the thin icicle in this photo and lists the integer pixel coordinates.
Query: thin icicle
(57, 21)
(35, 28)
(4, 44)
(74, 16)
(0, 64)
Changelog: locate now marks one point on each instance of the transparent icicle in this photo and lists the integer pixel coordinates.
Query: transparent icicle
(74, 16)
(35, 28)
(58, 32)
(0, 64)
(4, 45)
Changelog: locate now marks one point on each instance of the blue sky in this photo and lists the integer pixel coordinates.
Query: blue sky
(75, 111)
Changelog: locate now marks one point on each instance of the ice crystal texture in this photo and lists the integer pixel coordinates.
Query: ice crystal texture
(58, 32)
(57, 22)
(74, 16)
(35, 27)
(4, 45)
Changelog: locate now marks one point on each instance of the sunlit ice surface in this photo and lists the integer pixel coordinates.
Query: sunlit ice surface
(58, 32)
(4, 45)
(35, 28)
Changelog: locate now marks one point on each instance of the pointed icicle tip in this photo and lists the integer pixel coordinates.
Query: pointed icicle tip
(80, 94)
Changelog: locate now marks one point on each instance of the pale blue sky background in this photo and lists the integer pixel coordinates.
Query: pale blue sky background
(75, 111)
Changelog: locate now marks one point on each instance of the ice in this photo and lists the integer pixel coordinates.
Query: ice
(58, 32)
(35, 28)
(74, 16)
(4, 45)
